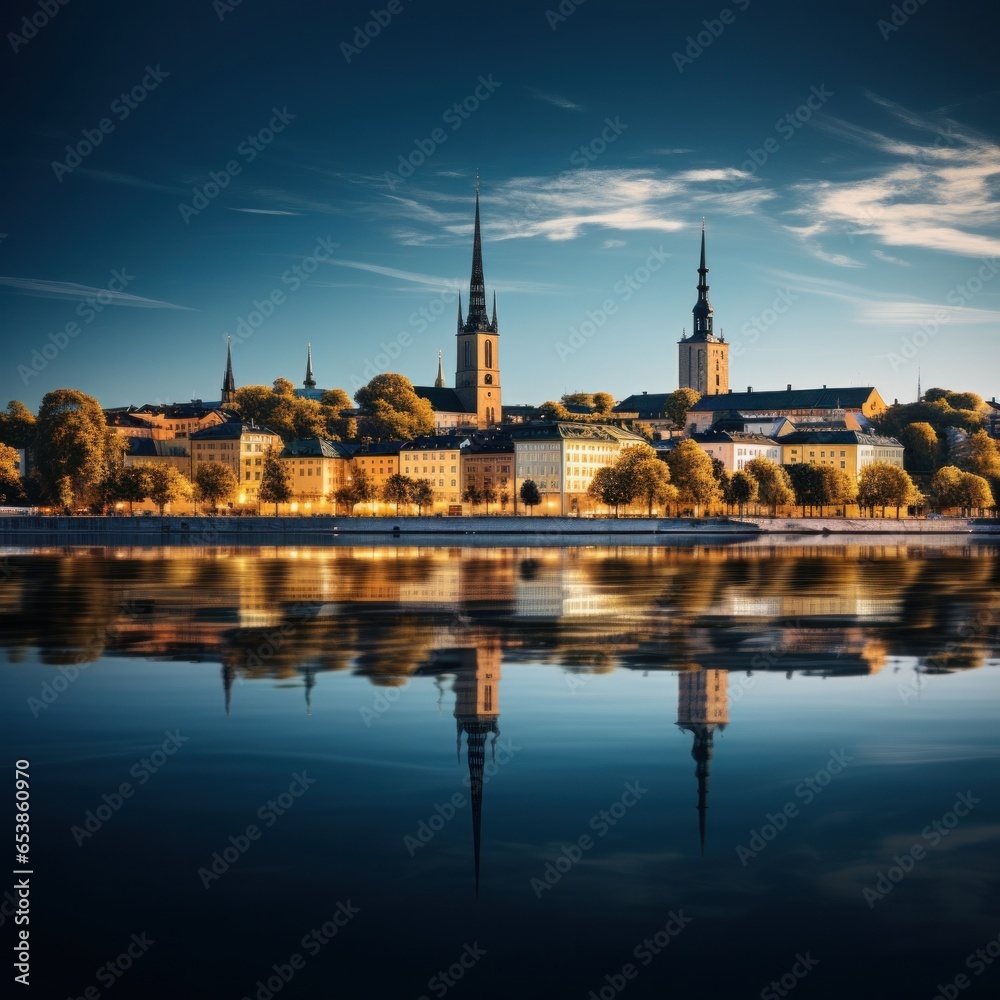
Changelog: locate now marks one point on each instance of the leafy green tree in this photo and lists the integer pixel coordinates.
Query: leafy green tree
(215, 483)
(941, 408)
(17, 425)
(274, 485)
(837, 487)
(422, 495)
(608, 488)
(691, 473)
(392, 411)
(645, 476)
(678, 403)
(922, 447)
(979, 455)
(773, 485)
(361, 489)
(11, 488)
(133, 485)
(883, 485)
(282, 387)
(530, 495)
(167, 485)
(398, 489)
(70, 447)
(604, 403)
(551, 410)
(807, 484)
(743, 489)
(951, 487)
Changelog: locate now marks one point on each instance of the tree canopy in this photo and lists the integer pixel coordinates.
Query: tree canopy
(392, 410)
(274, 485)
(167, 485)
(692, 474)
(883, 485)
(17, 425)
(215, 483)
(678, 403)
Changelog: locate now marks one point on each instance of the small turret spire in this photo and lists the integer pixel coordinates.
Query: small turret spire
(310, 382)
(493, 322)
(439, 381)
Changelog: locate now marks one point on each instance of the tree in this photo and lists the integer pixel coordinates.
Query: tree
(883, 485)
(134, 485)
(361, 489)
(837, 486)
(282, 387)
(504, 495)
(167, 485)
(551, 410)
(472, 495)
(334, 403)
(644, 475)
(215, 482)
(691, 473)
(807, 484)
(604, 403)
(922, 448)
(391, 409)
(17, 425)
(530, 495)
(422, 494)
(940, 408)
(678, 403)
(951, 487)
(743, 489)
(489, 496)
(979, 455)
(11, 487)
(398, 489)
(70, 446)
(274, 485)
(607, 488)
(773, 485)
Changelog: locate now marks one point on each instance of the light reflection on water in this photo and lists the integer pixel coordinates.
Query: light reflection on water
(547, 751)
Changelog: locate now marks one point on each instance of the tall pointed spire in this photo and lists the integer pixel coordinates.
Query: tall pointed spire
(439, 381)
(477, 319)
(310, 382)
(493, 322)
(461, 321)
(228, 382)
(702, 309)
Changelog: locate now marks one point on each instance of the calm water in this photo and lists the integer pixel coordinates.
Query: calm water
(496, 773)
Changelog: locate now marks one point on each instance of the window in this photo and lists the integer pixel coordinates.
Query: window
(453, 482)
(489, 353)
(843, 465)
(256, 475)
(468, 354)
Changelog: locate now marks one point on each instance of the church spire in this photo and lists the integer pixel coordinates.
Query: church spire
(702, 310)
(310, 382)
(477, 319)
(461, 322)
(228, 382)
(493, 323)
(439, 381)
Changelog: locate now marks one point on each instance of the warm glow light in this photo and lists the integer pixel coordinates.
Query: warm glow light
(295, 507)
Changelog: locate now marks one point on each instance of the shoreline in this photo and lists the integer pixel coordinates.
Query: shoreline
(264, 530)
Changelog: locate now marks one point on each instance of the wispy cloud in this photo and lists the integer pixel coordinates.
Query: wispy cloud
(889, 259)
(45, 289)
(433, 283)
(557, 100)
(610, 244)
(670, 151)
(263, 211)
(127, 180)
(937, 190)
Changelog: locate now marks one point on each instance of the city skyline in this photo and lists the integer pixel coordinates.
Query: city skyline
(851, 217)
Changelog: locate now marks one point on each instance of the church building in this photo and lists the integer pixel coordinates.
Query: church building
(703, 358)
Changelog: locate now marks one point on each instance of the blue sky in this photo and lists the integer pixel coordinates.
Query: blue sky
(847, 169)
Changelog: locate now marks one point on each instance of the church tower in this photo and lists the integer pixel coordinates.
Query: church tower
(702, 707)
(703, 359)
(477, 370)
(228, 382)
(310, 381)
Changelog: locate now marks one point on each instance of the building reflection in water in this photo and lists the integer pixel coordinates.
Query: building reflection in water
(702, 708)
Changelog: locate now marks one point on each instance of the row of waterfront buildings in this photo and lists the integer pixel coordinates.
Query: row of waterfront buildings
(480, 443)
